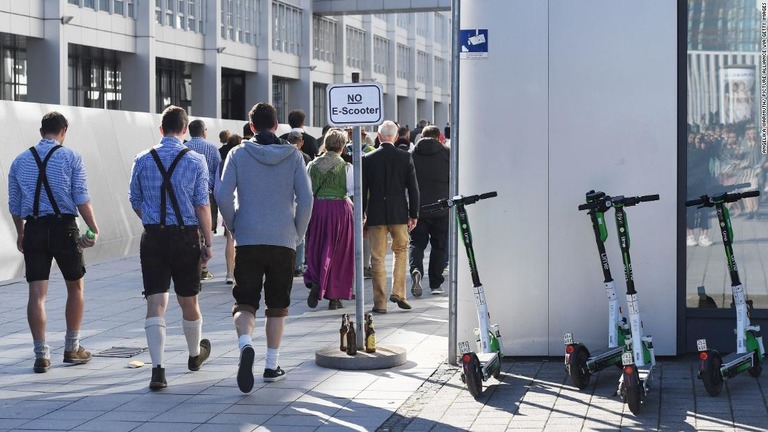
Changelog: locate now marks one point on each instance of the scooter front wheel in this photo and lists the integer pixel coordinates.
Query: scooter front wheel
(632, 389)
(577, 366)
(710, 373)
(473, 374)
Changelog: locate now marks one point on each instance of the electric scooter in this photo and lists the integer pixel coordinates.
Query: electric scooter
(638, 359)
(579, 364)
(476, 366)
(715, 369)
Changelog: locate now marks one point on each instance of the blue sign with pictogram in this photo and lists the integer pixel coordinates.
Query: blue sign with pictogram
(474, 44)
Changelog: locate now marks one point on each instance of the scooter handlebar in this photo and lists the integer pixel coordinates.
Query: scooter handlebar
(694, 202)
(710, 201)
(448, 203)
(594, 200)
(631, 201)
(442, 204)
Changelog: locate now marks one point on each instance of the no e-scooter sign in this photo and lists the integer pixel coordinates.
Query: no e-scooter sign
(355, 104)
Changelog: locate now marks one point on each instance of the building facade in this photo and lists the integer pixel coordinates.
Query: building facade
(217, 58)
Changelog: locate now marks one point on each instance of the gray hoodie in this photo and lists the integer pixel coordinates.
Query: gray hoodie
(265, 194)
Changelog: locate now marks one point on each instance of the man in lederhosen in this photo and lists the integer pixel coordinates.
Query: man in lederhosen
(169, 192)
(46, 189)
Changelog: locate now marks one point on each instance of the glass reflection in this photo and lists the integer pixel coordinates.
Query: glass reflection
(723, 149)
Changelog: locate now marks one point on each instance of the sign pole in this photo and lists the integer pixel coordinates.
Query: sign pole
(357, 167)
(454, 188)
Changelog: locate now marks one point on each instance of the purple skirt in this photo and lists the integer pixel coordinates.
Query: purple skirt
(330, 249)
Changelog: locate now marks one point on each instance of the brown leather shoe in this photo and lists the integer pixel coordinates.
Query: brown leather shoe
(42, 365)
(401, 303)
(79, 356)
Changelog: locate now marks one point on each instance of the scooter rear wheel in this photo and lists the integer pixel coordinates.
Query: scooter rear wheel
(711, 375)
(633, 391)
(578, 369)
(473, 375)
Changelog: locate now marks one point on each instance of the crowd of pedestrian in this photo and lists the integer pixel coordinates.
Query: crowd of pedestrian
(721, 156)
(287, 211)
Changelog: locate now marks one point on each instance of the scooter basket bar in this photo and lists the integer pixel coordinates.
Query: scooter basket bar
(450, 202)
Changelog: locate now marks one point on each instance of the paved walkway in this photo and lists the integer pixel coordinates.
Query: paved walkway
(425, 394)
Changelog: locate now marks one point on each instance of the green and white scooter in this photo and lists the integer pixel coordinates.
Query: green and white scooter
(638, 360)
(714, 369)
(476, 366)
(579, 363)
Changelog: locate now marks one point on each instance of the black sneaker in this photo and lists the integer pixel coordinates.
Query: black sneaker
(367, 273)
(272, 375)
(158, 379)
(194, 363)
(314, 295)
(416, 283)
(245, 370)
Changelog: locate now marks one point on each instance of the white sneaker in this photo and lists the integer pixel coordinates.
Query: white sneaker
(691, 241)
(704, 241)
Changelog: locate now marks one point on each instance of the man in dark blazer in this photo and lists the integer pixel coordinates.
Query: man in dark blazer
(296, 121)
(388, 173)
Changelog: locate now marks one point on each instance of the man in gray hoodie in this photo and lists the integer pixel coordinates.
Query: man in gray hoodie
(265, 198)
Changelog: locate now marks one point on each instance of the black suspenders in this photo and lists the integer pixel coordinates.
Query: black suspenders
(42, 181)
(167, 186)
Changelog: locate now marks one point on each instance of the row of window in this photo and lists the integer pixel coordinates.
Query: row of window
(117, 7)
(181, 14)
(355, 47)
(239, 20)
(324, 39)
(286, 28)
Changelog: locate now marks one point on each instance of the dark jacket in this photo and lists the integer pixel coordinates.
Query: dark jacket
(432, 161)
(310, 144)
(388, 173)
(403, 144)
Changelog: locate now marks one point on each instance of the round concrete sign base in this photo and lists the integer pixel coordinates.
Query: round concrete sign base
(386, 356)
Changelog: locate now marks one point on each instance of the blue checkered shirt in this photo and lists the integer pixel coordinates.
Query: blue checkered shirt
(189, 181)
(66, 175)
(211, 154)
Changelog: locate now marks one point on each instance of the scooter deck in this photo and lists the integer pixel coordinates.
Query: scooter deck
(603, 358)
(733, 361)
(488, 363)
(646, 376)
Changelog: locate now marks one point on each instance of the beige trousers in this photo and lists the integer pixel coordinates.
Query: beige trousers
(378, 238)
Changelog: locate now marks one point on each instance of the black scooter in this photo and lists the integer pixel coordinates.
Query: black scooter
(477, 366)
(715, 369)
(579, 363)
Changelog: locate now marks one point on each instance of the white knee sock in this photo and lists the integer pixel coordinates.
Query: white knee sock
(192, 332)
(42, 350)
(72, 340)
(244, 340)
(155, 330)
(273, 355)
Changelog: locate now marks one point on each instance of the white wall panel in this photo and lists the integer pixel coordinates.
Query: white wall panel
(573, 96)
(503, 147)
